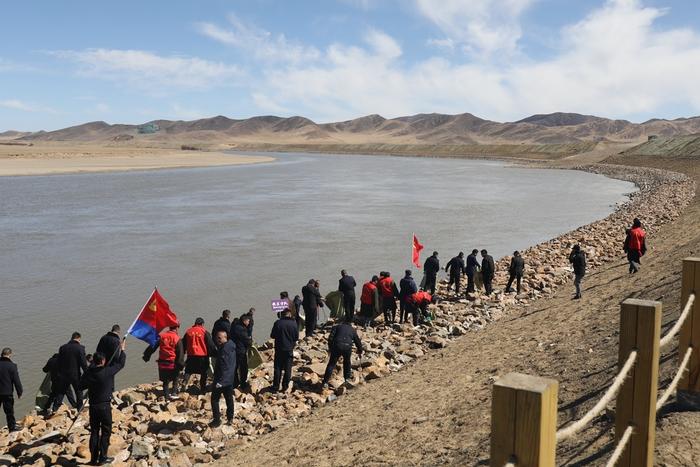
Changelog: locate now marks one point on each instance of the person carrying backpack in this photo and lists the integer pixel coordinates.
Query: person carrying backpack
(340, 343)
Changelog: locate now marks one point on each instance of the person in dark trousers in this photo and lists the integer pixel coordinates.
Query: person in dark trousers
(470, 270)
(51, 368)
(199, 346)
(347, 285)
(99, 382)
(455, 266)
(417, 305)
(311, 302)
(71, 365)
(430, 268)
(577, 258)
(388, 293)
(286, 334)
(243, 341)
(340, 342)
(635, 246)
(9, 384)
(224, 377)
(296, 311)
(516, 271)
(251, 313)
(407, 287)
(488, 270)
(223, 323)
(171, 359)
(369, 300)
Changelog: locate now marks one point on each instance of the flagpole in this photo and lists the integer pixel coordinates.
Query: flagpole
(413, 236)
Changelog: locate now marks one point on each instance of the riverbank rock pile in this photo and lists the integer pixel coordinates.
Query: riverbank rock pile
(150, 431)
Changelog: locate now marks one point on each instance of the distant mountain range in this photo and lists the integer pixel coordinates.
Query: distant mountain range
(434, 128)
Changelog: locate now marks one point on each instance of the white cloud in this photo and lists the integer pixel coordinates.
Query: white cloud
(16, 104)
(259, 43)
(149, 70)
(480, 26)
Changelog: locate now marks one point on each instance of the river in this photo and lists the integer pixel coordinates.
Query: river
(82, 252)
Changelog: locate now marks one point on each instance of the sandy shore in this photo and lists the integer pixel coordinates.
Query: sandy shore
(51, 160)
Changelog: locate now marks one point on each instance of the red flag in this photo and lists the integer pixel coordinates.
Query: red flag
(417, 247)
(154, 317)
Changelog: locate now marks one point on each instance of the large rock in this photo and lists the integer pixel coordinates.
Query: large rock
(141, 448)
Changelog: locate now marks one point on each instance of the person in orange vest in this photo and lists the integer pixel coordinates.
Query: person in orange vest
(417, 305)
(388, 293)
(198, 346)
(369, 300)
(170, 359)
(635, 245)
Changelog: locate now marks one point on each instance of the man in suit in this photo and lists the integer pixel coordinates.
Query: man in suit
(71, 364)
(407, 287)
(430, 269)
(347, 285)
(471, 269)
(9, 384)
(455, 267)
(311, 301)
(488, 270)
(516, 271)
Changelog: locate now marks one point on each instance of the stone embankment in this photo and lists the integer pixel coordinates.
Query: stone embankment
(149, 430)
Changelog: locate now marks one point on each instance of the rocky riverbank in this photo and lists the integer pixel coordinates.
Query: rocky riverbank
(150, 431)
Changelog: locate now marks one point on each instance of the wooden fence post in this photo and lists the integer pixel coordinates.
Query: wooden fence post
(640, 330)
(524, 421)
(689, 386)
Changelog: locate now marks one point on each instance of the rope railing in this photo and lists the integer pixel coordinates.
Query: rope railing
(679, 323)
(569, 431)
(672, 387)
(620, 448)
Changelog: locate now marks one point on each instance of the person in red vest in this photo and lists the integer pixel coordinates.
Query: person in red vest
(198, 346)
(369, 300)
(388, 293)
(635, 245)
(417, 305)
(170, 359)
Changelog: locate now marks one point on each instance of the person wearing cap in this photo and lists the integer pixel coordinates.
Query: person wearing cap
(516, 271)
(170, 359)
(471, 269)
(198, 346)
(9, 384)
(243, 342)
(430, 268)
(407, 287)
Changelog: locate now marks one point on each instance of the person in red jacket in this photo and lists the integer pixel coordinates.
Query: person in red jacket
(369, 300)
(388, 292)
(417, 305)
(170, 359)
(198, 346)
(635, 245)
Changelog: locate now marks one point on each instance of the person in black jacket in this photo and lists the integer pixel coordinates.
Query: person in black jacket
(239, 336)
(488, 270)
(471, 269)
(516, 271)
(311, 301)
(340, 342)
(407, 287)
(347, 285)
(224, 376)
(110, 345)
(222, 324)
(286, 334)
(250, 313)
(9, 384)
(577, 258)
(71, 365)
(455, 267)
(430, 268)
(99, 382)
(51, 368)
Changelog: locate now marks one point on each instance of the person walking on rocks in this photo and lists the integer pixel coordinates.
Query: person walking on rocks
(243, 342)
(72, 364)
(311, 302)
(224, 378)
(388, 293)
(488, 270)
(417, 305)
(286, 334)
(455, 267)
(99, 382)
(577, 258)
(223, 323)
(347, 285)
(198, 346)
(516, 271)
(635, 245)
(369, 300)
(171, 358)
(471, 269)
(251, 313)
(110, 344)
(51, 368)
(9, 384)
(407, 287)
(430, 268)
(340, 341)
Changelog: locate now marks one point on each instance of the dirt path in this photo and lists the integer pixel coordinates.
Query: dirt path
(437, 411)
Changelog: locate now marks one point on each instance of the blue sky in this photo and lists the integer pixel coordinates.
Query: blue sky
(64, 63)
